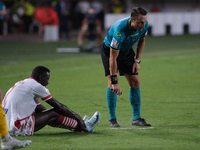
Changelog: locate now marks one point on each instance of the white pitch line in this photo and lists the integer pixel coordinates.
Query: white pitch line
(146, 128)
(132, 128)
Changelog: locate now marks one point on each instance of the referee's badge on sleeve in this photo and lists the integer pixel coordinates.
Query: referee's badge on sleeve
(114, 43)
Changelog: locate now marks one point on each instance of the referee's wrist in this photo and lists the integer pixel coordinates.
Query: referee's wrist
(113, 79)
(138, 61)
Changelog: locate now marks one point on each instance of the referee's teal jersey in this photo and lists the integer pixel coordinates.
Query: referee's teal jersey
(121, 37)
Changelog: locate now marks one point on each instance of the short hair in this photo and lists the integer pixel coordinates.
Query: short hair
(39, 70)
(136, 11)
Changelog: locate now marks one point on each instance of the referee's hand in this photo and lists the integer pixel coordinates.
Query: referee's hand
(136, 67)
(116, 89)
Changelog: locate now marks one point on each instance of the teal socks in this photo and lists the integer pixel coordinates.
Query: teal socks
(111, 101)
(135, 100)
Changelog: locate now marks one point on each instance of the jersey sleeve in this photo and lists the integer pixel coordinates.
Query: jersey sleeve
(42, 92)
(117, 40)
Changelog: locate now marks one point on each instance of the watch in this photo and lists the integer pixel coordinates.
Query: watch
(138, 61)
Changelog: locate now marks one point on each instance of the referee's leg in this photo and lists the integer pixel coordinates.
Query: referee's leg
(110, 95)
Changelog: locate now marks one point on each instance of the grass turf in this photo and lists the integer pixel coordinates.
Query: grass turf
(169, 90)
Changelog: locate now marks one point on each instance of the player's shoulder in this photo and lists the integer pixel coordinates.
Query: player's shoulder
(123, 22)
(30, 79)
(31, 82)
(39, 88)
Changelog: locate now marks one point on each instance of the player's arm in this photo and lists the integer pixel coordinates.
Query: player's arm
(113, 71)
(64, 110)
(39, 108)
(140, 48)
(84, 24)
(98, 25)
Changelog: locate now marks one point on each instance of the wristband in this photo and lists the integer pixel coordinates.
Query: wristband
(138, 61)
(113, 79)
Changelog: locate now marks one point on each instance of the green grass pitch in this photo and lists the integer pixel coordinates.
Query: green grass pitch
(170, 92)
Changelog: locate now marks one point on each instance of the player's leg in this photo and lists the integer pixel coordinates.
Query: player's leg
(3, 124)
(52, 118)
(99, 35)
(65, 123)
(135, 99)
(81, 35)
(44, 118)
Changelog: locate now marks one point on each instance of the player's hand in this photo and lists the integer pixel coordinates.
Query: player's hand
(116, 89)
(136, 67)
(81, 124)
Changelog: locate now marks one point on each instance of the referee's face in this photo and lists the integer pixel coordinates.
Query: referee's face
(139, 23)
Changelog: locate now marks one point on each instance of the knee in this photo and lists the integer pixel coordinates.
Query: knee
(135, 83)
(53, 115)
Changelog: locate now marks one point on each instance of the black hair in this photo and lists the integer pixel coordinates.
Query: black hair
(39, 70)
(136, 11)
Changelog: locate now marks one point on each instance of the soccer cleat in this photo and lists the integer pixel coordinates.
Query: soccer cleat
(85, 118)
(140, 122)
(94, 120)
(113, 123)
(14, 144)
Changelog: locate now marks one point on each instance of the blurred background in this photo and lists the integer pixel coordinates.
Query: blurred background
(64, 17)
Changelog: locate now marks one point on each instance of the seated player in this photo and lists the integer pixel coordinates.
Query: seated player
(7, 142)
(25, 115)
(92, 28)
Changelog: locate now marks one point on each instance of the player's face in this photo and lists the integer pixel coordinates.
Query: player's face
(45, 79)
(139, 23)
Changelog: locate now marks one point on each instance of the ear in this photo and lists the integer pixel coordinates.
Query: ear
(40, 77)
(132, 19)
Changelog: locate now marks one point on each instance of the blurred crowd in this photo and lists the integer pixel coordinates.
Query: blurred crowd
(28, 16)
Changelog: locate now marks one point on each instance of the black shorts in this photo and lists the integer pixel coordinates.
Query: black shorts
(1, 27)
(125, 61)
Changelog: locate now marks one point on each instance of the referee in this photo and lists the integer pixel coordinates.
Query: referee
(117, 55)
